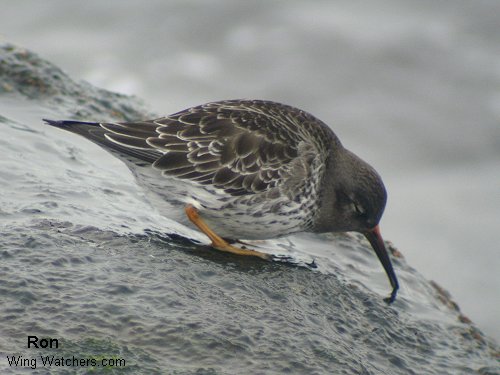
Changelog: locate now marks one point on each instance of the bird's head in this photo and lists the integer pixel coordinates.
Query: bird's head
(357, 199)
(358, 194)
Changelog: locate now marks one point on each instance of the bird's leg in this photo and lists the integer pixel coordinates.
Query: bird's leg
(218, 242)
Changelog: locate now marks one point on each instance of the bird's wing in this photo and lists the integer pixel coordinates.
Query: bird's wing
(242, 147)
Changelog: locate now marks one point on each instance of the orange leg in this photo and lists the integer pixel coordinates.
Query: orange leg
(218, 242)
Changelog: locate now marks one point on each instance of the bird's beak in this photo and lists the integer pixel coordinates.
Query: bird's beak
(375, 239)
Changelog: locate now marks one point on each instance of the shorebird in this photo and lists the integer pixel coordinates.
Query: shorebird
(248, 169)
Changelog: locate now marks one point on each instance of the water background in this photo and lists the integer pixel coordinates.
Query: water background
(411, 86)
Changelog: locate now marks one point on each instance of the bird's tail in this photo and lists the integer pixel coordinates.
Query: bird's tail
(94, 132)
(90, 130)
(78, 127)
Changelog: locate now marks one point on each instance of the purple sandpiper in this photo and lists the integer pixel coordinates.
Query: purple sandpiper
(249, 169)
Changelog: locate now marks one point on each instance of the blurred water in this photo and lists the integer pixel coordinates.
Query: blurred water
(412, 86)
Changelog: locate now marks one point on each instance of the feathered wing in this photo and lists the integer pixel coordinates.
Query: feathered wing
(242, 147)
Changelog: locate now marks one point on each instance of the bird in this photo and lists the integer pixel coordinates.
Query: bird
(248, 169)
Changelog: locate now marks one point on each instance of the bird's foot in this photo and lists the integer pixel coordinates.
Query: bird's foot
(218, 242)
(224, 246)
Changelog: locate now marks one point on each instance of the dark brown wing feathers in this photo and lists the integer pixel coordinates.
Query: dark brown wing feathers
(240, 146)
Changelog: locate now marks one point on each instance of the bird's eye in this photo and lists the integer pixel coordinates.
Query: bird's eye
(359, 209)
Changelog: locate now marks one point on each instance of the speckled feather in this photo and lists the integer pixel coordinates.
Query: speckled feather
(257, 163)
(242, 147)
